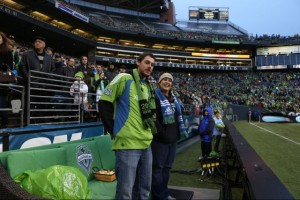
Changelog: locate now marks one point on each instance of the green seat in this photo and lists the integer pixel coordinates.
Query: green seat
(102, 190)
(18, 162)
(76, 154)
(107, 155)
(97, 150)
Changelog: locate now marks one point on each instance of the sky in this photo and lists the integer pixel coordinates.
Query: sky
(255, 16)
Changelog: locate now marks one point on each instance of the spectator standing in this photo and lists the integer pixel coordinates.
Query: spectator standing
(219, 126)
(86, 70)
(122, 69)
(127, 109)
(49, 51)
(16, 58)
(111, 72)
(6, 65)
(59, 65)
(170, 128)
(206, 128)
(100, 82)
(69, 70)
(79, 90)
(59, 70)
(36, 59)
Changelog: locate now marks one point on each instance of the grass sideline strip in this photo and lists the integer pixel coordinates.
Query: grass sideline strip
(281, 155)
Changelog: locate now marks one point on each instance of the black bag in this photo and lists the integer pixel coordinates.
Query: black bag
(7, 77)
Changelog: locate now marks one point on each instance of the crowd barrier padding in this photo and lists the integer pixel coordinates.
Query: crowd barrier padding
(259, 181)
(37, 135)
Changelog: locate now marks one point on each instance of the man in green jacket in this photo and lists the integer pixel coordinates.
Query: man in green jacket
(127, 109)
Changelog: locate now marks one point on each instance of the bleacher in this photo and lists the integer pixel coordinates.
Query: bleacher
(219, 28)
(161, 26)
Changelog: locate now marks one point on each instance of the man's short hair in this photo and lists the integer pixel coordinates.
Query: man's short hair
(143, 55)
(40, 38)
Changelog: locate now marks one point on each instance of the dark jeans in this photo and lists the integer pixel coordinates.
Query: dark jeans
(206, 148)
(216, 147)
(133, 171)
(163, 158)
(3, 114)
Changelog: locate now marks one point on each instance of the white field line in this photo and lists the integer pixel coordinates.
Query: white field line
(276, 134)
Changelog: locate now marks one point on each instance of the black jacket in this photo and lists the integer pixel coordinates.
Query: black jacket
(30, 61)
(69, 71)
(6, 63)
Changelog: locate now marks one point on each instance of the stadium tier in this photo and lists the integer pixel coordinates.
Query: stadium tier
(210, 44)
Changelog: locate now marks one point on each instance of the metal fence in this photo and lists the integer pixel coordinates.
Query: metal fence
(16, 104)
(50, 101)
(47, 99)
(188, 109)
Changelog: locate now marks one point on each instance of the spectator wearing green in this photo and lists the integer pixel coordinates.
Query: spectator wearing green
(127, 109)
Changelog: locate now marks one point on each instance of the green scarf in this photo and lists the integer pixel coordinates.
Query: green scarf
(147, 105)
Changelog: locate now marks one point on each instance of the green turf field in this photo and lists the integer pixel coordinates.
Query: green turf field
(187, 160)
(278, 144)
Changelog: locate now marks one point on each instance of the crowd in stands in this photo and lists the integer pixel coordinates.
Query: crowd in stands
(72, 7)
(133, 25)
(275, 91)
(137, 25)
(276, 38)
(142, 27)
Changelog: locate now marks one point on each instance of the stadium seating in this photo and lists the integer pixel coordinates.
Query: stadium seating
(16, 162)
(215, 28)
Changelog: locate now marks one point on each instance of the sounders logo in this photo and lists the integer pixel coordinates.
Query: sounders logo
(84, 157)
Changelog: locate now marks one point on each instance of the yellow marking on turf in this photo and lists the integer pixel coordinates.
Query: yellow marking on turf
(276, 134)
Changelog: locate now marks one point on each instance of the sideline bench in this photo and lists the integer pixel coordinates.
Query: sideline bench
(15, 162)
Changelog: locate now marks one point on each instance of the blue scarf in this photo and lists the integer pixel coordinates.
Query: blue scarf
(168, 113)
(101, 85)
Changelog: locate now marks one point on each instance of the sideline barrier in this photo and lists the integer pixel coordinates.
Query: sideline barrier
(38, 135)
(32, 135)
(258, 180)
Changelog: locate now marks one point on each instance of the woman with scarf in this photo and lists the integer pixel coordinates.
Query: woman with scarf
(170, 128)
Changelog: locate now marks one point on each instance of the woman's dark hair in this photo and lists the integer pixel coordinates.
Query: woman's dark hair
(7, 43)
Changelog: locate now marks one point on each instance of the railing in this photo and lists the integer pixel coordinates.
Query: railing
(17, 105)
(49, 100)
(188, 109)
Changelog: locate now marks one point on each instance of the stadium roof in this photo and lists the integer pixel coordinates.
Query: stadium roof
(150, 6)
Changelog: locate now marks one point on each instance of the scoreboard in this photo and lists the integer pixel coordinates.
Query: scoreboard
(208, 14)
